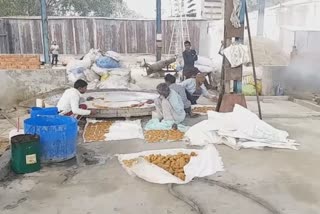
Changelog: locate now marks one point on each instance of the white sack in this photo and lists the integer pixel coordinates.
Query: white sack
(207, 163)
(91, 75)
(238, 129)
(99, 71)
(114, 82)
(205, 61)
(205, 69)
(92, 55)
(114, 55)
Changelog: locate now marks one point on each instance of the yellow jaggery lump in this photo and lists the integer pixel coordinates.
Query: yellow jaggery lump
(202, 109)
(155, 136)
(174, 164)
(96, 131)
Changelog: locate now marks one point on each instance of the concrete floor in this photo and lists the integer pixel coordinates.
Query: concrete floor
(96, 183)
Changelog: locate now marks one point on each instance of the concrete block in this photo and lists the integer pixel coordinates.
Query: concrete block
(308, 104)
(268, 100)
(5, 164)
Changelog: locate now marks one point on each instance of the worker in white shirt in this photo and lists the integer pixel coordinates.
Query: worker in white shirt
(195, 88)
(69, 103)
(171, 82)
(54, 49)
(169, 106)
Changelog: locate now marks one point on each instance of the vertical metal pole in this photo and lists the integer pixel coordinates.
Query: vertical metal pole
(45, 34)
(159, 32)
(260, 27)
(253, 63)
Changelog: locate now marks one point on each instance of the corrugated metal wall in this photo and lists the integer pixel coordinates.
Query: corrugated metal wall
(78, 35)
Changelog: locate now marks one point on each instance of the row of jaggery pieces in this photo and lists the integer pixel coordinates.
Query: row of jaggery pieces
(174, 164)
(96, 131)
(156, 136)
(202, 109)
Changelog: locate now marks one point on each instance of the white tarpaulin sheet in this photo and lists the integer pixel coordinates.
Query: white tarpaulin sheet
(207, 162)
(125, 130)
(238, 129)
(120, 130)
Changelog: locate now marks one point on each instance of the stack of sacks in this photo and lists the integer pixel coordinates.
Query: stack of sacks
(101, 71)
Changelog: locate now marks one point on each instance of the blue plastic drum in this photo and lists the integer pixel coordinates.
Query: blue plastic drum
(35, 111)
(58, 136)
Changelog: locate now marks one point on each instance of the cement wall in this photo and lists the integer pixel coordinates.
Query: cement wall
(18, 85)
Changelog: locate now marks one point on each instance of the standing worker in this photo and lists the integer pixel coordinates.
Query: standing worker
(54, 49)
(189, 58)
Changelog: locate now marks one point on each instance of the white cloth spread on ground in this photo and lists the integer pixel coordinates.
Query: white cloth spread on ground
(125, 130)
(238, 129)
(70, 101)
(190, 85)
(120, 130)
(206, 163)
(170, 108)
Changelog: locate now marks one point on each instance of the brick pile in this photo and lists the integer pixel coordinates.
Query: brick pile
(19, 61)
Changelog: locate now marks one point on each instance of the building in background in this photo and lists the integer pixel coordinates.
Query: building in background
(206, 9)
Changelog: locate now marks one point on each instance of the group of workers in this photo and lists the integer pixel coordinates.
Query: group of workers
(175, 99)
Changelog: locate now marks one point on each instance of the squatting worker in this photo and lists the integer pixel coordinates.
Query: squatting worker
(171, 82)
(69, 103)
(54, 49)
(169, 105)
(195, 88)
(189, 58)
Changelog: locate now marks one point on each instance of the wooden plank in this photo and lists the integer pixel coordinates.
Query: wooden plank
(151, 37)
(122, 37)
(90, 33)
(3, 37)
(36, 37)
(115, 37)
(233, 73)
(69, 41)
(141, 37)
(231, 31)
(131, 37)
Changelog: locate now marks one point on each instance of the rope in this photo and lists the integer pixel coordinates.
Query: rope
(235, 15)
(259, 201)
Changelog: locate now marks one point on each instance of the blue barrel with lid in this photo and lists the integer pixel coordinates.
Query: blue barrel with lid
(58, 136)
(36, 111)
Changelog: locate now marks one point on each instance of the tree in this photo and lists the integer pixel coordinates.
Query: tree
(106, 8)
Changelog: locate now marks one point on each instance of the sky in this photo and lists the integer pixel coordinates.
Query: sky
(147, 8)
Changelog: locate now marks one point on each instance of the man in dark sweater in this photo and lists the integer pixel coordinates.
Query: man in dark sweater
(189, 57)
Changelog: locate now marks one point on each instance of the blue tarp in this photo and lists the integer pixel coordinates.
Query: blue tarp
(107, 62)
(155, 124)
